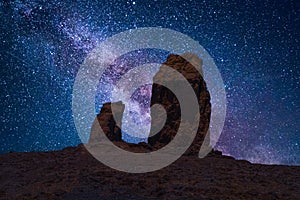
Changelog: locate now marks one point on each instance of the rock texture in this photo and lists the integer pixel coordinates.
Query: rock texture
(72, 173)
(165, 97)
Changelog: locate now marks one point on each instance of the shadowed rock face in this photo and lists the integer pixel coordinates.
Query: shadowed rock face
(109, 124)
(163, 96)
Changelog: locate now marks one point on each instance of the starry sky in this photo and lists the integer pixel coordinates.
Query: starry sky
(255, 45)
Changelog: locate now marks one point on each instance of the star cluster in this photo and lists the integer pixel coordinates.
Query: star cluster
(255, 45)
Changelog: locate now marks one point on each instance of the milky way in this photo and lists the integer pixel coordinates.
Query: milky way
(121, 75)
(254, 45)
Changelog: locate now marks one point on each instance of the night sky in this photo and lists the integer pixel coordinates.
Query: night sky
(254, 44)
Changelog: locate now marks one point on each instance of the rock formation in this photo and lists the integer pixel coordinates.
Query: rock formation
(163, 96)
(108, 122)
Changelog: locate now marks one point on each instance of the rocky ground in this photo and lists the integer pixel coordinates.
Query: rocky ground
(73, 173)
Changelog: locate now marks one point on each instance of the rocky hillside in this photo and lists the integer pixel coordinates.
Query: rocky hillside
(73, 173)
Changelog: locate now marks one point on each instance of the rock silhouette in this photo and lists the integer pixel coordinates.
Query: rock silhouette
(109, 123)
(192, 72)
(165, 97)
